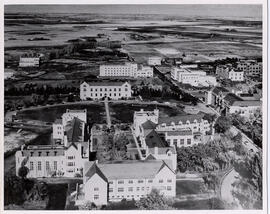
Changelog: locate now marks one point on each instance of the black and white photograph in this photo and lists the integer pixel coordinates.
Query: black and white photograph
(134, 107)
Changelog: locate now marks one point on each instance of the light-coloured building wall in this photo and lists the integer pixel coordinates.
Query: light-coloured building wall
(96, 190)
(154, 61)
(29, 62)
(180, 140)
(98, 92)
(244, 111)
(58, 131)
(144, 71)
(142, 116)
(126, 70)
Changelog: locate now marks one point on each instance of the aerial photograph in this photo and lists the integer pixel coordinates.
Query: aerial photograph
(133, 107)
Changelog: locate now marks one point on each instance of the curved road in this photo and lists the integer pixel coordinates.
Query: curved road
(226, 188)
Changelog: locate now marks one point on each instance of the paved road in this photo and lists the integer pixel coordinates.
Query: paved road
(226, 188)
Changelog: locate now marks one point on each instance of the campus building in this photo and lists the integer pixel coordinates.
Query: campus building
(226, 102)
(52, 161)
(99, 90)
(192, 76)
(228, 72)
(155, 60)
(144, 72)
(118, 70)
(29, 61)
(72, 122)
(250, 67)
(103, 183)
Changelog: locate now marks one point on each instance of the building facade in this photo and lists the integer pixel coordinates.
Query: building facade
(250, 67)
(154, 61)
(229, 72)
(194, 77)
(118, 70)
(29, 61)
(52, 161)
(99, 90)
(144, 72)
(103, 183)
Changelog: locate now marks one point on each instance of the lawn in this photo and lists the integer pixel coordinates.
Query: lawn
(186, 187)
(207, 204)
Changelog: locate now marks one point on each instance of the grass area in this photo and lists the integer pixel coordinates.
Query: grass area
(207, 204)
(124, 112)
(186, 187)
(49, 114)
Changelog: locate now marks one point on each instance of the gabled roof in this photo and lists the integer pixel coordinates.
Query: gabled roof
(74, 130)
(149, 125)
(94, 169)
(162, 150)
(165, 165)
(154, 140)
(150, 157)
(218, 89)
(231, 98)
(131, 169)
(183, 118)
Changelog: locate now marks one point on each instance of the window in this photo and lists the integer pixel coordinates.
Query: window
(55, 153)
(150, 181)
(169, 188)
(71, 163)
(47, 165)
(174, 141)
(55, 165)
(169, 180)
(70, 157)
(130, 189)
(39, 165)
(31, 165)
(39, 153)
(140, 181)
(110, 182)
(188, 141)
(121, 189)
(96, 189)
(160, 181)
(110, 189)
(96, 197)
(31, 153)
(138, 188)
(126, 89)
(130, 182)
(182, 141)
(120, 182)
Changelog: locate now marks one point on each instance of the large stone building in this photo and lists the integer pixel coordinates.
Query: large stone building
(30, 60)
(192, 76)
(229, 72)
(99, 90)
(65, 159)
(103, 183)
(250, 67)
(226, 102)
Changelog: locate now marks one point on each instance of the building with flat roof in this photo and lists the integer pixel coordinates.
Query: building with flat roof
(128, 180)
(154, 60)
(229, 72)
(118, 70)
(99, 90)
(192, 76)
(250, 67)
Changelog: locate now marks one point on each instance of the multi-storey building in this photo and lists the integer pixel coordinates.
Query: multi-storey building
(250, 67)
(194, 122)
(194, 77)
(180, 137)
(155, 60)
(227, 103)
(71, 120)
(99, 90)
(141, 117)
(128, 180)
(229, 72)
(144, 72)
(30, 60)
(118, 70)
(49, 161)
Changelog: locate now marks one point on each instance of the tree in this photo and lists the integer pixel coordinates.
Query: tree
(211, 181)
(88, 205)
(222, 124)
(23, 171)
(154, 201)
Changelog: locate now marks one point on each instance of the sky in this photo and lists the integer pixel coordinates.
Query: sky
(199, 10)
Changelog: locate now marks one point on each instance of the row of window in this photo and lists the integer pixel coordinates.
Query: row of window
(47, 153)
(131, 189)
(139, 181)
(182, 141)
(39, 165)
(102, 95)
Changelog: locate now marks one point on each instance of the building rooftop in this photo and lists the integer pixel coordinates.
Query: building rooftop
(152, 139)
(74, 130)
(106, 83)
(183, 118)
(43, 150)
(179, 132)
(128, 169)
(231, 98)
(218, 89)
(247, 103)
(149, 125)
